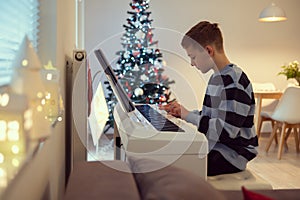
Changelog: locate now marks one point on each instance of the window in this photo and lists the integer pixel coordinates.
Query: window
(18, 18)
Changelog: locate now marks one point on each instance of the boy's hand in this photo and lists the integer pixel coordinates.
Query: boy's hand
(175, 109)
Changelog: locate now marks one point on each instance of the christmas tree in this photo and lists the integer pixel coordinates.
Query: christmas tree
(140, 64)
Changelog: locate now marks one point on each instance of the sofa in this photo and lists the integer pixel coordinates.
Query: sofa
(140, 179)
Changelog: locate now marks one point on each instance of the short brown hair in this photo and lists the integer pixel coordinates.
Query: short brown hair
(204, 33)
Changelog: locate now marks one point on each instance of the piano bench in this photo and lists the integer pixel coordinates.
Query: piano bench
(235, 181)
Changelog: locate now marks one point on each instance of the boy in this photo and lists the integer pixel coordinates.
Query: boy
(227, 116)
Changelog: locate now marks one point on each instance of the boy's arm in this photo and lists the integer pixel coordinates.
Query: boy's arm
(193, 117)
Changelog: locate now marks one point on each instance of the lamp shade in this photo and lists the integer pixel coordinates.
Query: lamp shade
(272, 13)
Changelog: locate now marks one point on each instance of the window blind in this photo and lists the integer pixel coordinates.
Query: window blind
(18, 18)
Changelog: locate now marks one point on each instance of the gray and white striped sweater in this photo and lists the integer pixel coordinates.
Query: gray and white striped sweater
(227, 116)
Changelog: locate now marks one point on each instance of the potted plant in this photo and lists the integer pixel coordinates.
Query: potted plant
(291, 71)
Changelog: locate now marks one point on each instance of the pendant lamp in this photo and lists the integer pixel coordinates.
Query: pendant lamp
(272, 13)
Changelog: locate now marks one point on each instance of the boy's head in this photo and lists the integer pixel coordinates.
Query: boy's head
(204, 33)
(204, 45)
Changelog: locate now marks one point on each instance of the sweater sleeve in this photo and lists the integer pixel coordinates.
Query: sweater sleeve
(193, 117)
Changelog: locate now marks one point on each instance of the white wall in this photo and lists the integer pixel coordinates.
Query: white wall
(63, 38)
(259, 48)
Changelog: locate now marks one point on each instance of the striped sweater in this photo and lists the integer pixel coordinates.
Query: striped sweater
(227, 116)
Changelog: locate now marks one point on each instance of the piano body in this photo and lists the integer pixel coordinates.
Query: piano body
(186, 149)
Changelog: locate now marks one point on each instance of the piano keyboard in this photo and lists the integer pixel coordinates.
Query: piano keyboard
(158, 121)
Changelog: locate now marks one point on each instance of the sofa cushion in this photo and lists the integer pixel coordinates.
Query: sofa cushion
(157, 182)
(101, 180)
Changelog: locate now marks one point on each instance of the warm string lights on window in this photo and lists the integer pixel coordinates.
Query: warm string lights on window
(29, 106)
(15, 124)
(4, 99)
(34, 88)
(53, 101)
(40, 85)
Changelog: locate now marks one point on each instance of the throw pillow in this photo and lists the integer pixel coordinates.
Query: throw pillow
(250, 195)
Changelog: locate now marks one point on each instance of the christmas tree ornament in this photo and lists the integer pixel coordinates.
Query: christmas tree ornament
(144, 78)
(144, 18)
(137, 24)
(136, 68)
(126, 54)
(140, 35)
(157, 63)
(138, 92)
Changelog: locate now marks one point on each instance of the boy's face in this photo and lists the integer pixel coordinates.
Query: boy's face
(200, 58)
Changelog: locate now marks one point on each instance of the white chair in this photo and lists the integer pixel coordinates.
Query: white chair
(268, 104)
(286, 118)
(264, 116)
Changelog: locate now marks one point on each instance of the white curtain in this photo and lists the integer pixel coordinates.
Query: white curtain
(18, 18)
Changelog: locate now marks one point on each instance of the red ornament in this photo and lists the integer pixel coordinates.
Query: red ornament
(127, 85)
(135, 53)
(147, 100)
(162, 98)
(156, 74)
(149, 37)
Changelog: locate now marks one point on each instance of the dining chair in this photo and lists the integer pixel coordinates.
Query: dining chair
(265, 113)
(286, 119)
(269, 105)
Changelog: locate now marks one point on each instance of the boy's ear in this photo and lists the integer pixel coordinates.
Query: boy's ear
(209, 50)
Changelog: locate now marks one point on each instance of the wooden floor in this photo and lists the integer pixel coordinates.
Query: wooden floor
(281, 174)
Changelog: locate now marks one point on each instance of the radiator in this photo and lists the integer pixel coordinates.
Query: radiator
(76, 109)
